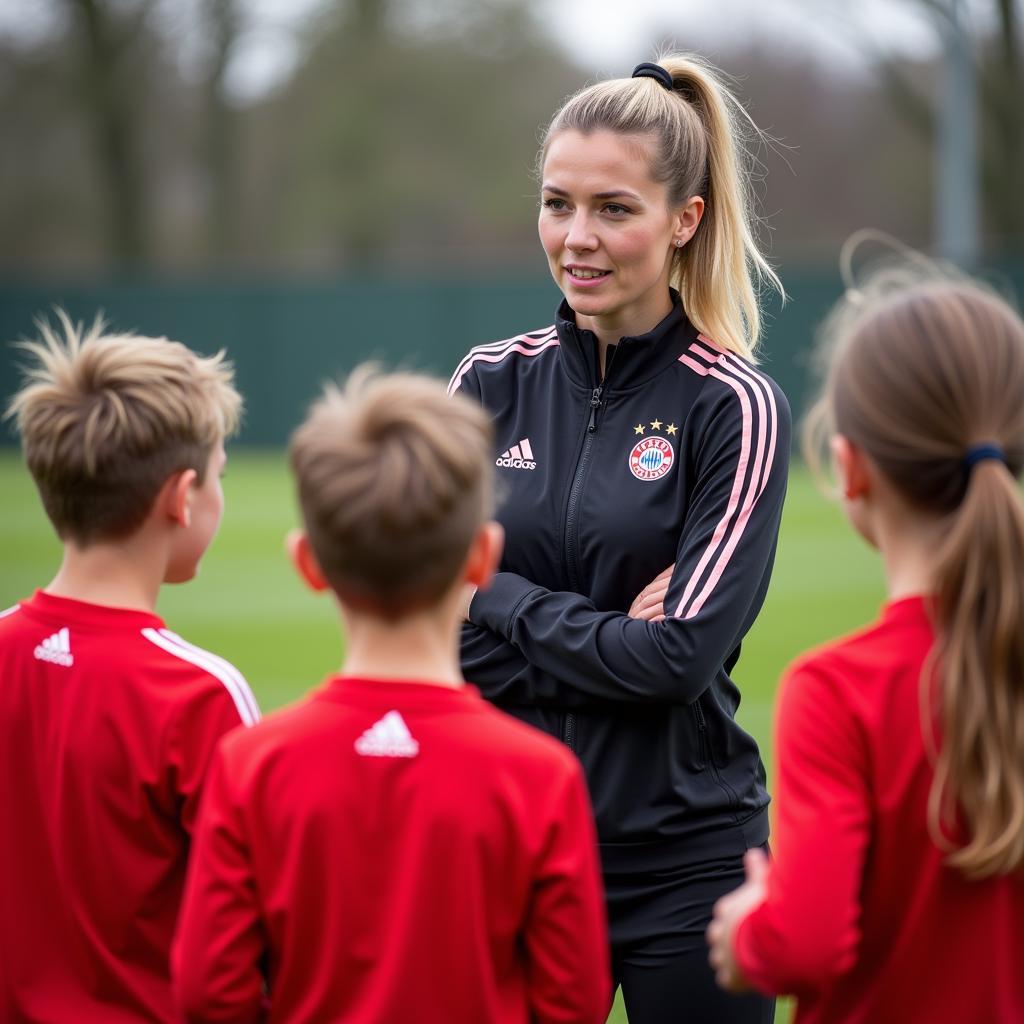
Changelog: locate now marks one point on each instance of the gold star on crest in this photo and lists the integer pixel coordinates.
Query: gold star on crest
(671, 429)
(638, 429)
(655, 424)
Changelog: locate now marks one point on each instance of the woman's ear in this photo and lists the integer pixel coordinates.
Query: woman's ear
(687, 220)
(300, 552)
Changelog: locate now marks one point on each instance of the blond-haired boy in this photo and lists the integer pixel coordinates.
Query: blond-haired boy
(393, 848)
(107, 719)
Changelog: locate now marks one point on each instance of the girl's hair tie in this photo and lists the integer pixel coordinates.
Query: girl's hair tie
(980, 452)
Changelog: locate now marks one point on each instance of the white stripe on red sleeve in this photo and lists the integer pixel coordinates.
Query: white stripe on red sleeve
(9, 611)
(233, 680)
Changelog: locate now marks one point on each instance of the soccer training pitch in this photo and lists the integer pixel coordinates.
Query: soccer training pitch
(247, 604)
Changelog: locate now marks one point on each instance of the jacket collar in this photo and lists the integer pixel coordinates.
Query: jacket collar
(636, 359)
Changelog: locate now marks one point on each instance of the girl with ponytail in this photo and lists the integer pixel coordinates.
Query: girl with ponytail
(897, 889)
(643, 462)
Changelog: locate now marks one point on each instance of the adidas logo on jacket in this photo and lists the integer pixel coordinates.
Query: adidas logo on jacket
(519, 456)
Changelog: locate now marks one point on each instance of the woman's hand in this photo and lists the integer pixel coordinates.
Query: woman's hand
(649, 604)
(730, 911)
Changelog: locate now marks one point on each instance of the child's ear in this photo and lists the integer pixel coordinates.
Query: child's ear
(174, 498)
(300, 551)
(852, 468)
(485, 554)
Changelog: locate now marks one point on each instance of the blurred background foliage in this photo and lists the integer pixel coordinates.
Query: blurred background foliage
(400, 134)
(310, 183)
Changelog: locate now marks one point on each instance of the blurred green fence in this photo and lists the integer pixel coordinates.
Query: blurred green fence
(286, 337)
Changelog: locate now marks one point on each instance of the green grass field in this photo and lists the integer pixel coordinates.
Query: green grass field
(248, 606)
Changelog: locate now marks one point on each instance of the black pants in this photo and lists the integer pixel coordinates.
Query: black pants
(659, 953)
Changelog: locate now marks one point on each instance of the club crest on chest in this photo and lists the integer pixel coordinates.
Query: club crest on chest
(652, 456)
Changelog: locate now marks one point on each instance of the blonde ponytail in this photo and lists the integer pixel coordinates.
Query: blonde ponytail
(700, 130)
(719, 274)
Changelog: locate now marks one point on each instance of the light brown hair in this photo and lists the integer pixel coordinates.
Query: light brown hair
(699, 130)
(920, 372)
(394, 479)
(106, 419)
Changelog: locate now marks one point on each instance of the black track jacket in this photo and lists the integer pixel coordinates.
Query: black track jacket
(680, 455)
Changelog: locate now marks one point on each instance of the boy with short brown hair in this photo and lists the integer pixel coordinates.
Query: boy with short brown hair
(393, 848)
(107, 719)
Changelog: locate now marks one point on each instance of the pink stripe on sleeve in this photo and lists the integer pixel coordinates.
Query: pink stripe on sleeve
(740, 525)
(751, 375)
(730, 370)
(759, 459)
(495, 351)
(711, 357)
(694, 365)
(734, 496)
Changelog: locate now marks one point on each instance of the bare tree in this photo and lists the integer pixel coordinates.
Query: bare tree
(1001, 119)
(113, 102)
(222, 21)
(1003, 87)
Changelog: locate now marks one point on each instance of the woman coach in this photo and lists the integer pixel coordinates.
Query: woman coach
(635, 434)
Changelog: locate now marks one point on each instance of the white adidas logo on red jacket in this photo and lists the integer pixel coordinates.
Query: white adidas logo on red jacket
(388, 737)
(57, 649)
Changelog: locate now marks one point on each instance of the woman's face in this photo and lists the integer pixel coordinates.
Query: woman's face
(607, 229)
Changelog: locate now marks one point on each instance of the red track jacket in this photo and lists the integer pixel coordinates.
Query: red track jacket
(108, 722)
(394, 852)
(863, 921)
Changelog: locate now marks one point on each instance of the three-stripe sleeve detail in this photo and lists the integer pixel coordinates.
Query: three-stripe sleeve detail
(495, 352)
(232, 680)
(758, 438)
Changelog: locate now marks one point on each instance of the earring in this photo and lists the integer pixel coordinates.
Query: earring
(679, 243)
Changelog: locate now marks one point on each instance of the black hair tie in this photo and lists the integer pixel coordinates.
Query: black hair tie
(655, 71)
(980, 452)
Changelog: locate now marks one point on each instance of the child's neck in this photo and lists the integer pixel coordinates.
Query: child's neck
(421, 647)
(116, 576)
(908, 550)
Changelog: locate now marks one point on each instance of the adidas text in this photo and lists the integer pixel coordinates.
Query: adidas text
(519, 456)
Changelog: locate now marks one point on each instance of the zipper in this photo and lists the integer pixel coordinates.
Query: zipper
(570, 538)
(572, 524)
(702, 732)
(709, 761)
(569, 731)
(595, 404)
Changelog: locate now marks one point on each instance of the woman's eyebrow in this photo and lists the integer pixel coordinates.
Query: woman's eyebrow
(614, 194)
